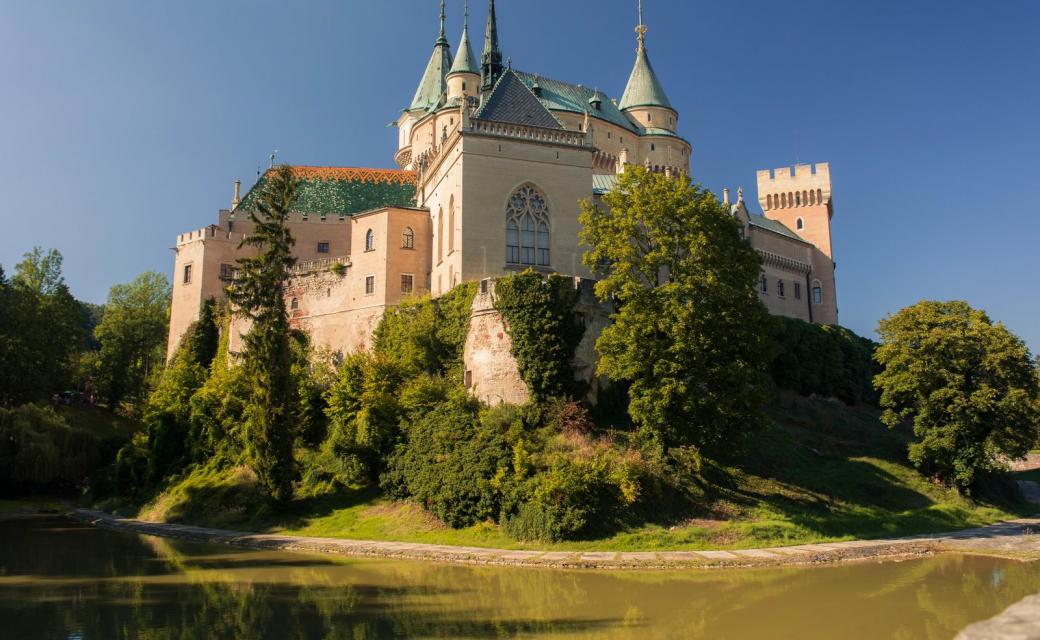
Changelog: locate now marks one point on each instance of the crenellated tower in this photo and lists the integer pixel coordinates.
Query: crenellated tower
(800, 198)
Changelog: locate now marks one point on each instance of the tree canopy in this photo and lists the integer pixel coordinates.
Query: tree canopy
(969, 386)
(689, 333)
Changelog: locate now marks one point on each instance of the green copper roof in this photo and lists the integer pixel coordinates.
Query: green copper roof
(343, 191)
(465, 60)
(602, 184)
(512, 101)
(644, 89)
(434, 84)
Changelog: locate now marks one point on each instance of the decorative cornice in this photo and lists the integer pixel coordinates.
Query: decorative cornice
(783, 262)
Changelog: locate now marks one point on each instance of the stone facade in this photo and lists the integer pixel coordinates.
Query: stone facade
(492, 166)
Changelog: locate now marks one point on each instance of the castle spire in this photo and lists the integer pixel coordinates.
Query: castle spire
(491, 58)
(643, 89)
(465, 61)
(434, 83)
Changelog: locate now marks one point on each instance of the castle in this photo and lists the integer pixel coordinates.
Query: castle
(492, 164)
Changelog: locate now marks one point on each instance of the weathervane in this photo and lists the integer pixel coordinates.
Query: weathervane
(273, 154)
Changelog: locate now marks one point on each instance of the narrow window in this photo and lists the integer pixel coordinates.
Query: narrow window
(817, 293)
(295, 304)
(451, 225)
(440, 235)
(763, 284)
(780, 288)
(370, 285)
(800, 224)
(370, 240)
(468, 378)
(798, 291)
(227, 272)
(653, 147)
(407, 281)
(798, 198)
(187, 274)
(408, 238)
(649, 117)
(323, 247)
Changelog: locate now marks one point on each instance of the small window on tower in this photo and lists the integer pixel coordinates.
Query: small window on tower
(817, 293)
(649, 117)
(653, 147)
(800, 224)
(370, 285)
(187, 274)
(763, 284)
(323, 247)
(780, 288)
(295, 304)
(407, 282)
(797, 291)
(463, 86)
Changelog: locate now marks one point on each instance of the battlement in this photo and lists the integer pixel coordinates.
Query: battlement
(802, 185)
(212, 232)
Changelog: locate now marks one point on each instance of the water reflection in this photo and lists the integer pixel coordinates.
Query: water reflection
(60, 580)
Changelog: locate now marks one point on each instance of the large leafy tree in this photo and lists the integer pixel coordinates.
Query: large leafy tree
(689, 332)
(42, 328)
(132, 334)
(268, 359)
(969, 386)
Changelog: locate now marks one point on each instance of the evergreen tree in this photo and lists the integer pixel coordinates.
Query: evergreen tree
(689, 332)
(970, 387)
(268, 359)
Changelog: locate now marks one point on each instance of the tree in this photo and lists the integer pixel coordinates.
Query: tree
(132, 334)
(970, 387)
(42, 328)
(689, 331)
(257, 294)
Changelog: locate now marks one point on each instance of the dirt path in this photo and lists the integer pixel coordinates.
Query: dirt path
(1017, 539)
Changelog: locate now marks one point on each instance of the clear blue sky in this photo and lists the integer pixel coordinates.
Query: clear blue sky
(126, 122)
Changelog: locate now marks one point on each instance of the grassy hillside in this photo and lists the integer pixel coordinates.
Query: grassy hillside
(824, 472)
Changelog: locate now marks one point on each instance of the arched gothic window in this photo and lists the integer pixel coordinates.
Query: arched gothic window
(527, 227)
(800, 224)
(408, 238)
(370, 240)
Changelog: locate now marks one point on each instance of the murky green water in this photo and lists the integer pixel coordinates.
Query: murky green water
(59, 579)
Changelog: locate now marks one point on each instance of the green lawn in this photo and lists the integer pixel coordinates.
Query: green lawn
(825, 472)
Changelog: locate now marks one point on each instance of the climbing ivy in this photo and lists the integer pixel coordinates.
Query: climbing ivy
(540, 318)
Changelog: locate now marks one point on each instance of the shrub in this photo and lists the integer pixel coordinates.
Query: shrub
(452, 462)
(823, 360)
(39, 451)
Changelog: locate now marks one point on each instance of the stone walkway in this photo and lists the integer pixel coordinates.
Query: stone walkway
(1020, 621)
(1017, 539)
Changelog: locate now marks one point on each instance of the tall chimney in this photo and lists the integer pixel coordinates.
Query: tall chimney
(238, 195)
(725, 195)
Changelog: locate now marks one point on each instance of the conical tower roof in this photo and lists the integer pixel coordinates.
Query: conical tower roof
(465, 60)
(434, 83)
(643, 89)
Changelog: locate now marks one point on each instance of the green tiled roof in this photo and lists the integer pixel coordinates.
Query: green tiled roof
(512, 101)
(644, 89)
(762, 222)
(562, 96)
(343, 191)
(434, 84)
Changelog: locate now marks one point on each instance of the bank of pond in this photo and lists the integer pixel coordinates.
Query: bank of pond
(60, 578)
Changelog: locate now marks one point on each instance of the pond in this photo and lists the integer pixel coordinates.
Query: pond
(61, 579)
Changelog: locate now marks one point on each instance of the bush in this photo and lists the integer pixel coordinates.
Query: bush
(823, 360)
(452, 462)
(39, 451)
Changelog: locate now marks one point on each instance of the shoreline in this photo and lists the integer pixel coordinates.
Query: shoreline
(1014, 539)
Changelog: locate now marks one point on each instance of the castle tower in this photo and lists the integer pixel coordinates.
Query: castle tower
(644, 99)
(434, 82)
(491, 59)
(800, 198)
(464, 76)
